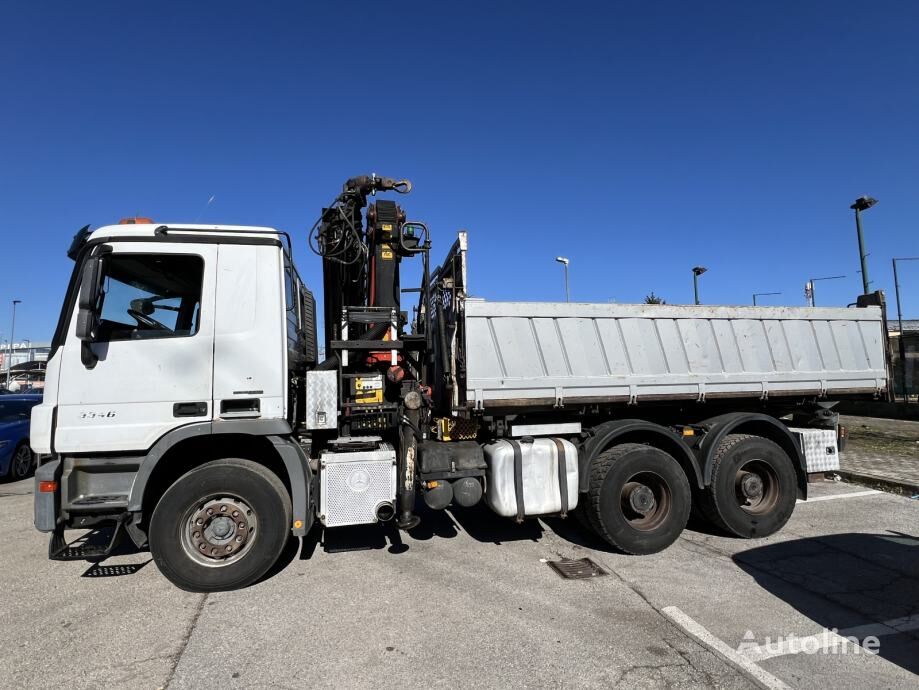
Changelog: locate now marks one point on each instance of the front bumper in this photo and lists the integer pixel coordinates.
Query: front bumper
(47, 503)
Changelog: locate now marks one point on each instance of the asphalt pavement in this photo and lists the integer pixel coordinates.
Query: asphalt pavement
(469, 600)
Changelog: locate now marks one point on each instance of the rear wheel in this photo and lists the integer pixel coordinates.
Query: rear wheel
(22, 463)
(639, 498)
(753, 488)
(220, 526)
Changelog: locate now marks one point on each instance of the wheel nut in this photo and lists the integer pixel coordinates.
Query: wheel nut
(197, 535)
(239, 538)
(229, 548)
(210, 511)
(203, 547)
(199, 521)
(223, 509)
(236, 513)
(242, 525)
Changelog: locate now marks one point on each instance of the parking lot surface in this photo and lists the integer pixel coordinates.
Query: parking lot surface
(469, 600)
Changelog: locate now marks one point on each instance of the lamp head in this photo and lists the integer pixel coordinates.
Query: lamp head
(863, 203)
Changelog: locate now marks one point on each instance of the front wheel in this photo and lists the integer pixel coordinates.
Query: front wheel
(639, 498)
(753, 488)
(220, 526)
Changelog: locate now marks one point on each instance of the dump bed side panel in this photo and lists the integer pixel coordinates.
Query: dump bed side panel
(520, 352)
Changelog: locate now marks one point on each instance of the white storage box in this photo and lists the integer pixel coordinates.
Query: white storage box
(353, 485)
(821, 450)
(536, 463)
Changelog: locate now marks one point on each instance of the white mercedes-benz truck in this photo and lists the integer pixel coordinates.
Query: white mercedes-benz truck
(187, 409)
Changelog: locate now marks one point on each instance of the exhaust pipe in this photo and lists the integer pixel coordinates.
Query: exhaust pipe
(385, 512)
(406, 472)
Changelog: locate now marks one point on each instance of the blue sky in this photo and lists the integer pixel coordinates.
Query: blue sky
(639, 139)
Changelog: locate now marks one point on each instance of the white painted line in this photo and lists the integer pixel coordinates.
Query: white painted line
(851, 494)
(828, 639)
(793, 645)
(761, 677)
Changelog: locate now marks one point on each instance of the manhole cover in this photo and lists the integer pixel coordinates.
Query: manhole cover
(577, 569)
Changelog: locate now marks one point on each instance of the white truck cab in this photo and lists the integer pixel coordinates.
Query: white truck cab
(175, 344)
(192, 325)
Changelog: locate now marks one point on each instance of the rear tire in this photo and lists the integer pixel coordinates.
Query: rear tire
(22, 462)
(753, 488)
(639, 498)
(220, 526)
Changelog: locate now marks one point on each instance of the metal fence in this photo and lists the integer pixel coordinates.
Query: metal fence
(906, 370)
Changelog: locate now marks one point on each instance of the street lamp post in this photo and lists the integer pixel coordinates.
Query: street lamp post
(809, 288)
(696, 272)
(863, 203)
(896, 287)
(564, 262)
(12, 336)
(763, 294)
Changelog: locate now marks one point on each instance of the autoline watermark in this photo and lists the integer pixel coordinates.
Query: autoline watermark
(827, 642)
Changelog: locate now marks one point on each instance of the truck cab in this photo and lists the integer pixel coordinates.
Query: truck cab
(190, 324)
(168, 333)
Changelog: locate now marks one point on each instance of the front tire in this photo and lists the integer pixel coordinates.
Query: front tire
(639, 498)
(753, 488)
(220, 526)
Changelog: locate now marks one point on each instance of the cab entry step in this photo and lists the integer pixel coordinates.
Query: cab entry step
(84, 548)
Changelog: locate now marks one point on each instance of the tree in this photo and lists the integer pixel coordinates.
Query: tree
(654, 299)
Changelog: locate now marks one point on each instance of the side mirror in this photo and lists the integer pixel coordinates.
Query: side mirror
(88, 308)
(90, 289)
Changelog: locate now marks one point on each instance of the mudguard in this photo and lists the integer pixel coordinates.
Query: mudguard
(604, 435)
(757, 424)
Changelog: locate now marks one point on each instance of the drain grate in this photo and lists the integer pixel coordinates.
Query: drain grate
(577, 569)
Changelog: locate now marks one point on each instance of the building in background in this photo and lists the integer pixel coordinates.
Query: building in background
(24, 368)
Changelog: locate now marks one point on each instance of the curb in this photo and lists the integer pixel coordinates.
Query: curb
(889, 485)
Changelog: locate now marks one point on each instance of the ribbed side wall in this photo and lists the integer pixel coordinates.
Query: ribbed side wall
(521, 350)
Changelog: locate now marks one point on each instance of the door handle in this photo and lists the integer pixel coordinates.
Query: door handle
(240, 407)
(189, 409)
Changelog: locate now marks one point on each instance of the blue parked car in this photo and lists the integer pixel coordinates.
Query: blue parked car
(16, 458)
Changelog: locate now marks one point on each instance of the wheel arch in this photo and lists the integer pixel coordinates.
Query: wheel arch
(755, 424)
(191, 446)
(608, 434)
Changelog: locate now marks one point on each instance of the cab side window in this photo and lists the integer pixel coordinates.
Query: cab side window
(150, 296)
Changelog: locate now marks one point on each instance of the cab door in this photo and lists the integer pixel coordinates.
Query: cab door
(153, 350)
